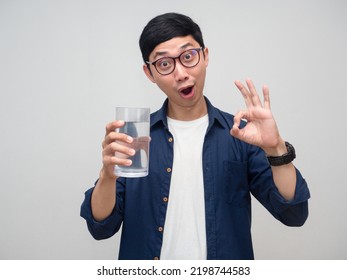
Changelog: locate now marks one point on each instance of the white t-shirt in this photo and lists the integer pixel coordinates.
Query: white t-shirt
(184, 235)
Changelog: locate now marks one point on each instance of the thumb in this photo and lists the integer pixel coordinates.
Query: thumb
(235, 130)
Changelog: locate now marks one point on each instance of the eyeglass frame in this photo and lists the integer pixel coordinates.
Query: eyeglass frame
(174, 60)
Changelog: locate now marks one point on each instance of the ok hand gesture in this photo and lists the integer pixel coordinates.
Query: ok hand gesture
(261, 129)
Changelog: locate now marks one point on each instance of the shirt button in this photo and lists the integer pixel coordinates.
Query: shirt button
(170, 139)
(160, 229)
(168, 169)
(165, 199)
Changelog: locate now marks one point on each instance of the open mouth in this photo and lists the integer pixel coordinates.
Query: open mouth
(187, 90)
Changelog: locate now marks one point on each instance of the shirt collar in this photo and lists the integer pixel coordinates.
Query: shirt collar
(214, 116)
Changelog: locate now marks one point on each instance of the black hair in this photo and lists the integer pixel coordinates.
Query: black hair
(165, 27)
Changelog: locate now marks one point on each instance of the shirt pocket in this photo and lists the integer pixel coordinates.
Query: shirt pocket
(236, 187)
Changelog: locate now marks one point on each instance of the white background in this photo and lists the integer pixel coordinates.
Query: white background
(65, 65)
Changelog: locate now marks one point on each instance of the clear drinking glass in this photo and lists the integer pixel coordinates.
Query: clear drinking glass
(137, 126)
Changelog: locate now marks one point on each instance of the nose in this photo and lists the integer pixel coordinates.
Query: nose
(180, 72)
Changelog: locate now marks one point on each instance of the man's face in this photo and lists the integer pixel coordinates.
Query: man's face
(184, 86)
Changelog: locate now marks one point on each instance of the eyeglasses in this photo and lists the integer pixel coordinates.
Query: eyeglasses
(166, 65)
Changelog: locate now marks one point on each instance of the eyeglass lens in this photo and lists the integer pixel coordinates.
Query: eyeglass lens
(189, 58)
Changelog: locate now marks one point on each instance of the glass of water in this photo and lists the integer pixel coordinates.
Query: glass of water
(137, 126)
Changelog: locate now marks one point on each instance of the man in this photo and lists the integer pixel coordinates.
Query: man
(204, 163)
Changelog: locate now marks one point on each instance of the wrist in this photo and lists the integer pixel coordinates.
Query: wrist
(278, 150)
(107, 176)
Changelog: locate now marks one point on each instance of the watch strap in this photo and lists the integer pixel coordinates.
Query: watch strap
(283, 159)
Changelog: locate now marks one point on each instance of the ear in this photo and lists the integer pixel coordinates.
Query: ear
(148, 72)
(206, 57)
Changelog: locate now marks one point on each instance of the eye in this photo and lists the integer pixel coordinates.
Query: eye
(189, 55)
(164, 63)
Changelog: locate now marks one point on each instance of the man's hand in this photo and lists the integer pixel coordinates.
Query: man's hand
(113, 143)
(104, 195)
(118, 147)
(261, 129)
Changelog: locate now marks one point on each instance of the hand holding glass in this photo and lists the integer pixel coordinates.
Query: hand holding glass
(137, 126)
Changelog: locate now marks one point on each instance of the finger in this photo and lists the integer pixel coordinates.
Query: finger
(112, 126)
(266, 95)
(235, 130)
(141, 143)
(119, 149)
(109, 161)
(253, 93)
(242, 115)
(244, 93)
(116, 153)
(116, 136)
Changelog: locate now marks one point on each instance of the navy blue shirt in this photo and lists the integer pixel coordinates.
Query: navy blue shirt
(233, 171)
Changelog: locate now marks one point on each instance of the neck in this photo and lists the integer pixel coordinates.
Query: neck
(187, 113)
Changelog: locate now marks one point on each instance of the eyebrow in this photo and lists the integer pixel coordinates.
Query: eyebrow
(164, 53)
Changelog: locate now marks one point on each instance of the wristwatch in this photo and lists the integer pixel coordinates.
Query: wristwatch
(283, 159)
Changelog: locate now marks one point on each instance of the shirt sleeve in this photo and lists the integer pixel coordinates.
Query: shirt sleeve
(290, 213)
(107, 227)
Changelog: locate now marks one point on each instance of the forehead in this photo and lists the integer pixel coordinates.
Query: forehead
(173, 47)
